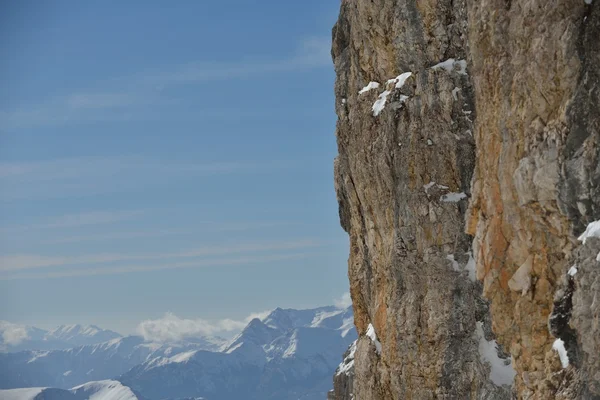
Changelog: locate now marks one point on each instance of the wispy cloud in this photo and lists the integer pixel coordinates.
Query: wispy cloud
(76, 220)
(171, 328)
(94, 167)
(30, 261)
(83, 176)
(12, 334)
(311, 53)
(198, 227)
(103, 270)
(116, 236)
(132, 93)
(344, 301)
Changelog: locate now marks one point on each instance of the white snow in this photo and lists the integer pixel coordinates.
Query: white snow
(322, 316)
(293, 346)
(455, 265)
(379, 104)
(455, 93)
(432, 184)
(348, 326)
(572, 270)
(452, 65)
(183, 357)
(469, 267)
(400, 79)
(20, 394)
(67, 373)
(429, 142)
(105, 390)
(453, 197)
(587, 1)
(38, 354)
(500, 372)
(97, 390)
(371, 85)
(373, 336)
(559, 346)
(346, 365)
(428, 186)
(592, 230)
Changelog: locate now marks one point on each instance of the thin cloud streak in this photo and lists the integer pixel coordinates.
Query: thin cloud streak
(76, 220)
(116, 236)
(84, 176)
(144, 89)
(95, 167)
(131, 269)
(202, 226)
(31, 261)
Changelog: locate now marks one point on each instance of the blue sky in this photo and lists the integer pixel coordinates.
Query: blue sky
(164, 158)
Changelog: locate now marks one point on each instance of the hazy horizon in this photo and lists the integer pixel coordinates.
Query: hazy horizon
(151, 168)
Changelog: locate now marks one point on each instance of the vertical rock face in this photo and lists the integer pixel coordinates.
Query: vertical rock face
(468, 165)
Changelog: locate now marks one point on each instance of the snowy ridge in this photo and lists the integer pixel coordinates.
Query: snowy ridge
(105, 390)
(17, 337)
(347, 366)
(99, 390)
(298, 347)
(288, 351)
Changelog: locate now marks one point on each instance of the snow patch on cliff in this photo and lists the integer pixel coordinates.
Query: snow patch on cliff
(373, 336)
(345, 366)
(559, 346)
(501, 373)
(379, 104)
(592, 230)
(370, 86)
(399, 80)
(453, 197)
(452, 65)
(469, 267)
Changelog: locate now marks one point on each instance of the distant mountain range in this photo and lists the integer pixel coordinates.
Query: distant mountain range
(290, 354)
(14, 337)
(101, 390)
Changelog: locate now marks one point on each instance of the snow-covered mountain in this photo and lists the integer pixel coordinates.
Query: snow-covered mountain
(79, 335)
(70, 367)
(291, 354)
(100, 390)
(17, 337)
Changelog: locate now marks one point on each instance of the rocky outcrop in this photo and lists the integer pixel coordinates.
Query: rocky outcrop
(468, 165)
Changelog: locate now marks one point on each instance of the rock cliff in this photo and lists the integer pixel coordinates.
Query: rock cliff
(468, 136)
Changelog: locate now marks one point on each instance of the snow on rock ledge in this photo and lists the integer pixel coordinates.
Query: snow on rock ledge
(501, 373)
(373, 336)
(559, 346)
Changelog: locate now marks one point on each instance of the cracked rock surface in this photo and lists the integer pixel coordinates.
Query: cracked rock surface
(463, 187)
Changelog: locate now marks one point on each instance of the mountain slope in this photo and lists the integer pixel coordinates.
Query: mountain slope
(17, 337)
(99, 390)
(67, 368)
(291, 354)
